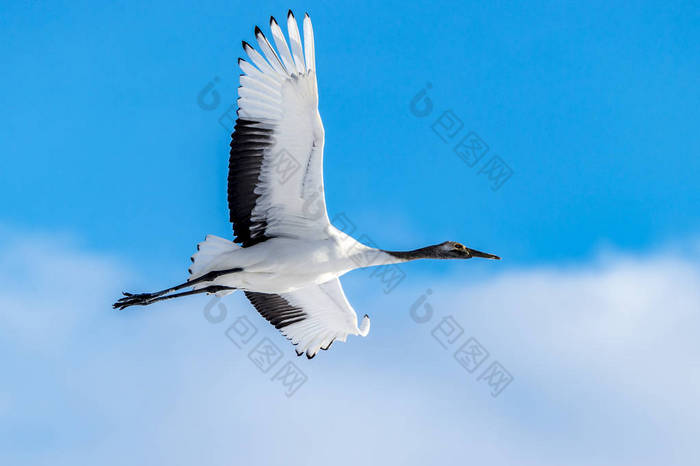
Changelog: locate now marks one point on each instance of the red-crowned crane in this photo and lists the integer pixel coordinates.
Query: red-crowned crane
(286, 255)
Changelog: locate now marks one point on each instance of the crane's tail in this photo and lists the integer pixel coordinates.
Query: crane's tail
(209, 256)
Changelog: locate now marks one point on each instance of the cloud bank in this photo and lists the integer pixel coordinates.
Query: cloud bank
(604, 359)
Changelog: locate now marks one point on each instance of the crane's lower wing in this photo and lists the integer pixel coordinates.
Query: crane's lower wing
(312, 317)
(275, 182)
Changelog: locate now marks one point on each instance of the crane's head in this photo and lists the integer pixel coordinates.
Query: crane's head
(455, 250)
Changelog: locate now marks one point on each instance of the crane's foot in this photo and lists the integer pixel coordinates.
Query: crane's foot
(139, 299)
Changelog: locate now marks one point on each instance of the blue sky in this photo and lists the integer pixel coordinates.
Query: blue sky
(113, 171)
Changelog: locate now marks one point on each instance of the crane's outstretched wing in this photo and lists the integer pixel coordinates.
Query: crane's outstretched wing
(312, 317)
(275, 181)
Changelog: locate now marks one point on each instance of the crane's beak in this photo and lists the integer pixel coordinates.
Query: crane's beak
(485, 255)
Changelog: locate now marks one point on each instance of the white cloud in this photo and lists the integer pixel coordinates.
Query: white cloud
(611, 345)
(604, 356)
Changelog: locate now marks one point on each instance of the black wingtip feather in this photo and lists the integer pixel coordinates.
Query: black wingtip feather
(273, 20)
(289, 13)
(259, 33)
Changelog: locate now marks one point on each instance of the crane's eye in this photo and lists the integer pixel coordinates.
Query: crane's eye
(459, 246)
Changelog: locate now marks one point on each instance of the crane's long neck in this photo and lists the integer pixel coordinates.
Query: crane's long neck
(368, 257)
(427, 252)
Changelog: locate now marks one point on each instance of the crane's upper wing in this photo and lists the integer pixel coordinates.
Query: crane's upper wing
(312, 317)
(275, 181)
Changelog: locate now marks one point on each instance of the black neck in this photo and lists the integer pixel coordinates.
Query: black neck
(428, 252)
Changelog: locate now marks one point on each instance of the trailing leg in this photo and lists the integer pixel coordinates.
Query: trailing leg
(144, 299)
(207, 277)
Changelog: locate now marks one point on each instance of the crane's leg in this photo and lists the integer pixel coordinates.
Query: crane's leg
(126, 302)
(146, 298)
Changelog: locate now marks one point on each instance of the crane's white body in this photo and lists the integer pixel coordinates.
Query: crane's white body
(281, 265)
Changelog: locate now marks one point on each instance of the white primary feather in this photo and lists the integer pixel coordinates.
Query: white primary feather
(295, 41)
(269, 52)
(281, 44)
(309, 51)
